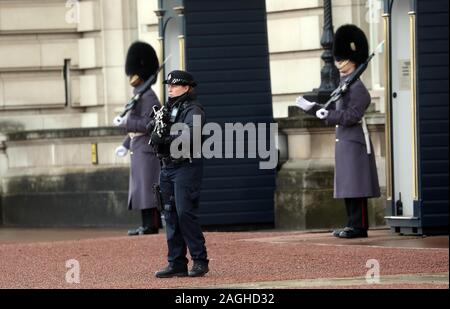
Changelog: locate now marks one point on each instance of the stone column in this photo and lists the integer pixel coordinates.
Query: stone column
(118, 31)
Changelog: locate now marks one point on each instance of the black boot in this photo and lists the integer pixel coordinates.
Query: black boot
(353, 233)
(199, 269)
(150, 224)
(142, 230)
(336, 233)
(135, 232)
(171, 271)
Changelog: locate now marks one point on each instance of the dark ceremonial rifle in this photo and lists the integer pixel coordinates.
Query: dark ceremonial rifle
(142, 89)
(342, 89)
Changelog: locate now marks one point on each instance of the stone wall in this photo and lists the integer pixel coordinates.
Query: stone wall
(37, 37)
(54, 178)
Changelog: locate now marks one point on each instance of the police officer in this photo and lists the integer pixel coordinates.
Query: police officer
(141, 64)
(355, 178)
(181, 177)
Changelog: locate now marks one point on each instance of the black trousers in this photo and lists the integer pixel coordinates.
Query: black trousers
(151, 218)
(357, 213)
(180, 191)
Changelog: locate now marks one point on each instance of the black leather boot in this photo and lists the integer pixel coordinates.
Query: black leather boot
(336, 233)
(142, 230)
(353, 233)
(150, 223)
(199, 269)
(170, 272)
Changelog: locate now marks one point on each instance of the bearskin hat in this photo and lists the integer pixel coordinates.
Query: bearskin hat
(141, 60)
(350, 43)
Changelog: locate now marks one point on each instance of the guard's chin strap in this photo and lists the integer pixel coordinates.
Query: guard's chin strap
(342, 65)
(135, 80)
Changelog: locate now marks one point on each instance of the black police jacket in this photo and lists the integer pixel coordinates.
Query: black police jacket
(184, 108)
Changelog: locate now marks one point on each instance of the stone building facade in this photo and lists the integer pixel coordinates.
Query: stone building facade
(62, 67)
(37, 38)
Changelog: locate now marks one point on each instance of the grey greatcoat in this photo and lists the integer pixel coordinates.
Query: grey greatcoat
(355, 170)
(145, 165)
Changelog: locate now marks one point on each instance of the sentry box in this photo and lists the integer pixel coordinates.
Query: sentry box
(416, 33)
(224, 44)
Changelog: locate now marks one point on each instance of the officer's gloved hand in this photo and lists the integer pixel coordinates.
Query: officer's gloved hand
(304, 104)
(120, 121)
(150, 126)
(322, 113)
(121, 151)
(155, 139)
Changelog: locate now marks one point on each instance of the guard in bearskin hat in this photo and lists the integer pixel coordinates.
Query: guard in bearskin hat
(355, 178)
(141, 64)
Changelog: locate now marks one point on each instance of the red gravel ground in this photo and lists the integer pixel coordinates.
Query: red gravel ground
(127, 262)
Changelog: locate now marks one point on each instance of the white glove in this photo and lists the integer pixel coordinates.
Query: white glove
(322, 113)
(304, 104)
(121, 151)
(120, 121)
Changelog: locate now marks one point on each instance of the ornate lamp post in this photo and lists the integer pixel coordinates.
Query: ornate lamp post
(163, 21)
(329, 75)
(181, 38)
(162, 29)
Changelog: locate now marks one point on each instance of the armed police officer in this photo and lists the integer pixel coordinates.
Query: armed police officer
(181, 175)
(355, 177)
